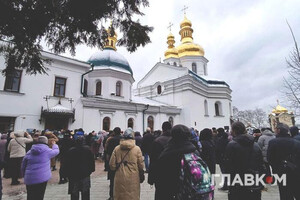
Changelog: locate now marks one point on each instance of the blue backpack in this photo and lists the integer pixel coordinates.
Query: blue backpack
(195, 179)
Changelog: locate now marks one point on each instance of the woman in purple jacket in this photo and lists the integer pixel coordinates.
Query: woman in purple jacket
(35, 168)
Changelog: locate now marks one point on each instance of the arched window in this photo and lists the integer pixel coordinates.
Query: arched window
(205, 107)
(168, 63)
(194, 67)
(130, 123)
(171, 120)
(118, 88)
(150, 122)
(106, 124)
(98, 88)
(218, 108)
(175, 64)
(159, 89)
(85, 87)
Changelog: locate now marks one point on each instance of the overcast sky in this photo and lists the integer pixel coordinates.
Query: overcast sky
(246, 43)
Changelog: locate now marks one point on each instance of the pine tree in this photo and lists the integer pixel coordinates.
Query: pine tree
(63, 24)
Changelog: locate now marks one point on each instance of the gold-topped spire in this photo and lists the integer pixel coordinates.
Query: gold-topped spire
(279, 109)
(112, 38)
(171, 52)
(187, 46)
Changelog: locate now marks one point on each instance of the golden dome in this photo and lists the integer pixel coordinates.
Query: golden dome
(279, 109)
(190, 49)
(187, 46)
(185, 22)
(171, 52)
(111, 40)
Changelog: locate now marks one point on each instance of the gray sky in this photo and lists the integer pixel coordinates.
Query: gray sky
(246, 43)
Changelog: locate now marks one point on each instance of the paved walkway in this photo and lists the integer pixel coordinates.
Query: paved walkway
(100, 188)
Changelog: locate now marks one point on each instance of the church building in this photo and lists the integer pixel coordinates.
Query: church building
(97, 94)
(182, 81)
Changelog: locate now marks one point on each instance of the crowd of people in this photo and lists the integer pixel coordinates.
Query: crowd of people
(180, 161)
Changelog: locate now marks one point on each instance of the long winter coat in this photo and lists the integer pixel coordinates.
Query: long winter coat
(243, 156)
(263, 142)
(127, 180)
(35, 165)
(279, 149)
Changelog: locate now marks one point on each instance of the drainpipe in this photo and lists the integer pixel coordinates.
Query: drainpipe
(81, 86)
(147, 106)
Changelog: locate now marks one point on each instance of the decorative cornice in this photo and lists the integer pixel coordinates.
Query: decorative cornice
(185, 83)
(108, 105)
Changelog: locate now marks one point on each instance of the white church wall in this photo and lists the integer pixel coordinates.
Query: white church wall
(26, 105)
(161, 73)
(109, 88)
(200, 62)
(219, 121)
(172, 61)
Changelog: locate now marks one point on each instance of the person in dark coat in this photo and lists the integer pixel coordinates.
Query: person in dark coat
(169, 162)
(105, 156)
(221, 143)
(2, 162)
(148, 138)
(208, 153)
(243, 157)
(7, 169)
(295, 132)
(279, 150)
(138, 139)
(79, 165)
(66, 143)
(111, 143)
(158, 146)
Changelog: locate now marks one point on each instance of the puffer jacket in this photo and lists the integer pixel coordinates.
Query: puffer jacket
(35, 165)
(17, 145)
(263, 142)
(127, 180)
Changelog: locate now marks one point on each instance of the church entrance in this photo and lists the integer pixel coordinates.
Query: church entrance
(56, 123)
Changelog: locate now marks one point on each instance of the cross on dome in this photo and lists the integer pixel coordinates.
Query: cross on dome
(170, 25)
(184, 9)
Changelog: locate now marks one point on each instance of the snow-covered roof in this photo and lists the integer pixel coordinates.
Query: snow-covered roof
(207, 81)
(59, 109)
(144, 100)
(113, 68)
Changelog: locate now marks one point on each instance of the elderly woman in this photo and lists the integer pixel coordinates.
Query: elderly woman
(35, 167)
(16, 149)
(127, 161)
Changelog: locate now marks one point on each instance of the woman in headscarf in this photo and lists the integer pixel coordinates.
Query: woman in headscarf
(127, 161)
